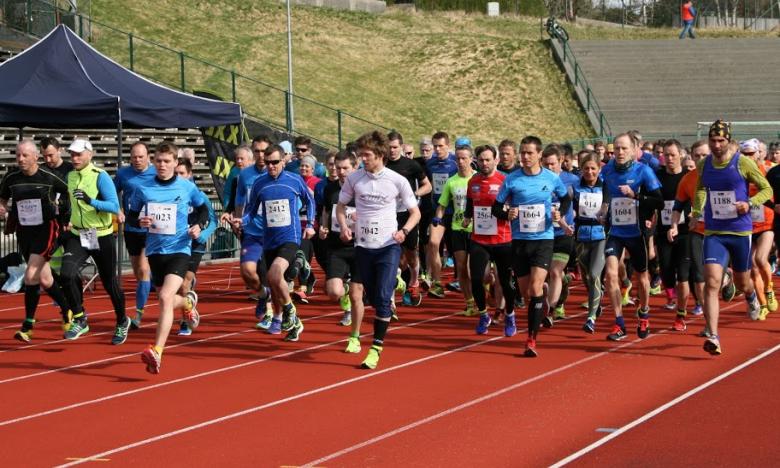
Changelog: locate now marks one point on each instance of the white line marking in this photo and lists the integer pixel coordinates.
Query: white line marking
(196, 376)
(663, 408)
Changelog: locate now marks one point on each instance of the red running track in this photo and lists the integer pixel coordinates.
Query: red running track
(442, 395)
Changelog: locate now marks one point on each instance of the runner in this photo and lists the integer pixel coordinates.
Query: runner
(673, 250)
(491, 239)
(162, 208)
(274, 198)
(198, 245)
(723, 184)
(127, 180)
(421, 186)
(377, 192)
(37, 196)
(439, 169)
(454, 195)
(631, 190)
(591, 235)
(528, 195)
(341, 262)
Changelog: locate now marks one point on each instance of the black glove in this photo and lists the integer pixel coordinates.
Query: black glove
(81, 195)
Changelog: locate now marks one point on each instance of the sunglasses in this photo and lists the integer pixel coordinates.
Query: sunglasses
(258, 150)
(745, 153)
(274, 162)
(409, 153)
(301, 150)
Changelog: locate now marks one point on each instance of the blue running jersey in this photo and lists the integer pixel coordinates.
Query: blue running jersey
(438, 172)
(532, 194)
(246, 178)
(570, 181)
(623, 211)
(126, 181)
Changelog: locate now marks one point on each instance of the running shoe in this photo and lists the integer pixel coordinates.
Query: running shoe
(77, 328)
(547, 321)
(311, 283)
(346, 319)
(567, 279)
(262, 303)
(559, 313)
(754, 308)
(618, 333)
(510, 328)
(585, 305)
(450, 263)
(436, 290)
(697, 310)
(67, 319)
(530, 348)
(400, 284)
(712, 346)
(152, 359)
(25, 336)
(763, 313)
(406, 299)
(120, 332)
(643, 329)
(184, 329)
(265, 322)
(454, 286)
(729, 289)
(627, 294)
(300, 296)
(519, 301)
(705, 333)
(353, 345)
(302, 266)
(345, 302)
(498, 317)
(589, 326)
(276, 327)
(679, 324)
(295, 333)
(394, 312)
(655, 290)
(771, 301)
(671, 305)
(372, 358)
(484, 323)
(135, 322)
(191, 314)
(425, 282)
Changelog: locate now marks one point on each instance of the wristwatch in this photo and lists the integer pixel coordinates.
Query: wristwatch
(405, 231)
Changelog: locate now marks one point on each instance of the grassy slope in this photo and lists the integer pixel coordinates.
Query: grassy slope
(467, 74)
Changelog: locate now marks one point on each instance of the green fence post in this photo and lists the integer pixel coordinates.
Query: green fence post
(81, 26)
(576, 75)
(130, 49)
(181, 67)
(233, 84)
(27, 16)
(339, 116)
(601, 124)
(587, 98)
(287, 121)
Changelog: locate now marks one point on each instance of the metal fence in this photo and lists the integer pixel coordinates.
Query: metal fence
(262, 101)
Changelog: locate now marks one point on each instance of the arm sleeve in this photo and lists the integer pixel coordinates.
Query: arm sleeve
(497, 210)
(211, 225)
(565, 203)
(752, 174)
(133, 212)
(469, 213)
(107, 199)
(251, 206)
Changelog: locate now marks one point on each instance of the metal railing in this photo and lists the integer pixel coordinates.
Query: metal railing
(263, 101)
(581, 86)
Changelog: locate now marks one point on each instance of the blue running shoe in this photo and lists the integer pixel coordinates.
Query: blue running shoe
(407, 298)
(265, 323)
(450, 263)
(262, 304)
(276, 327)
(184, 329)
(510, 328)
(484, 323)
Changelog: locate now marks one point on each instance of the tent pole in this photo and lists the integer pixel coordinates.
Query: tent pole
(119, 237)
(21, 133)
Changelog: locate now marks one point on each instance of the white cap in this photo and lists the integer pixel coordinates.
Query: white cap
(286, 146)
(79, 146)
(750, 146)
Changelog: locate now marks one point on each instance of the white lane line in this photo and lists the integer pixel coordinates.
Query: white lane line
(663, 408)
(271, 404)
(202, 374)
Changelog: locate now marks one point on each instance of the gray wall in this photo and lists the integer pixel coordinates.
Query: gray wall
(370, 6)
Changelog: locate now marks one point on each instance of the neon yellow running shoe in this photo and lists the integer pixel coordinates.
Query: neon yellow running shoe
(353, 346)
(400, 284)
(559, 313)
(763, 313)
(372, 358)
(25, 336)
(771, 301)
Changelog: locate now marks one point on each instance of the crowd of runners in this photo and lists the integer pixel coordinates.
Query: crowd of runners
(517, 223)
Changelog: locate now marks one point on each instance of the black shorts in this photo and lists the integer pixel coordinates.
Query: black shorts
(286, 251)
(563, 245)
(162, 265)
(531, 253)
(135, 242)
(194, 263)
(413, 238)
(459, 240)
(40, 240)
(341, 263)
(635, 246)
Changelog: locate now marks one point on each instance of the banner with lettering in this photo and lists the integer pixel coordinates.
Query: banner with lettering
(220, 142)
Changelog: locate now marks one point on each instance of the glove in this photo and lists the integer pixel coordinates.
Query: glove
(435, 221)
(81, 195)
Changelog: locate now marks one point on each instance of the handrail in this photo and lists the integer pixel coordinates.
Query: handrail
(324, 130)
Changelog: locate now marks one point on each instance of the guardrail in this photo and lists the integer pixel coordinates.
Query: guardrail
(260, 100)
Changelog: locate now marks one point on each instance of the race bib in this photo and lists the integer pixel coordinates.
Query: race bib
(439, 180)
(88, 239)
(164, 218)
(590, 204)
(531, 218)
(459, 199)
(623, 211)
(723, 204)
(278, 213)
(374, 233)
(334, 221)
(757, 214)
(485, 223)
(666, 213)
(30, 212)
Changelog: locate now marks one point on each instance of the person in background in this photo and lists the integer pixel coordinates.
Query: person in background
(288, 151)
(687, 16)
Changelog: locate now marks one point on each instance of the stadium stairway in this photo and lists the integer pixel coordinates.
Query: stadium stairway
(663, 87)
